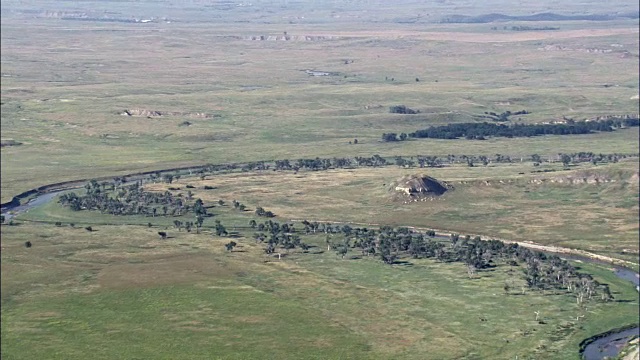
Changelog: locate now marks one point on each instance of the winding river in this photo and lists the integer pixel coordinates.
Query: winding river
(603, 346)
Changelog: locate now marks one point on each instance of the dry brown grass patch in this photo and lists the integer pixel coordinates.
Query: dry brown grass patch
(179, 269)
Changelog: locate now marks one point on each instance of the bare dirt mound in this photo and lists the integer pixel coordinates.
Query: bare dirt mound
(420, 186)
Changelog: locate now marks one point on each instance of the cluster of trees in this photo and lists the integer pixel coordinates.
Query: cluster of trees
(401, 109)
(527, 28)
(131, 200)
(189, 225)
(315, 164)
(540, 271)
(394, 137)
(260, 211)
(440, 161)
(238, 206)
(377, 160)
(480, 131)
(277, 236)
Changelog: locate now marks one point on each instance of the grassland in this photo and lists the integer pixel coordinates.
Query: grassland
(72, 293)
(65, 85)
(505, 201)
(121, 292)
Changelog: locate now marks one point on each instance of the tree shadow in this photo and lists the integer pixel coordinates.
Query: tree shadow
(402, 263)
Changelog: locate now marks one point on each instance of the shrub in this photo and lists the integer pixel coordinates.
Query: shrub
(401, 109)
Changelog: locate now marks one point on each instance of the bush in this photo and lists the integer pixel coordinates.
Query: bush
(401, 109)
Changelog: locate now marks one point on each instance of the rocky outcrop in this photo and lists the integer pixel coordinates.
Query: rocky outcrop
(418, 186)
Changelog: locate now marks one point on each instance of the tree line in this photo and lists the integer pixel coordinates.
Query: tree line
(397, 245)
(376, 160)
(480, 131)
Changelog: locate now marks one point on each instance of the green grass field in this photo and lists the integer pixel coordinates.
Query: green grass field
(70, 70)
(73, 293)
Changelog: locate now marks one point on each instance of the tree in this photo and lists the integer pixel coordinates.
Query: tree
(230, 245)
(566, 159)
(27, 244)
(355, 141)
(253, 224)
(389, 137)
(471, 270)
(221, 202)
(401, 109)
(199, 222)
(198, 207)
(221, 230)
(162, 234)
(177, 224)
(342, 250)
(388, 257)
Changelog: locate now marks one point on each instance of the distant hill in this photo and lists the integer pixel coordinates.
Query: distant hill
(496, 17)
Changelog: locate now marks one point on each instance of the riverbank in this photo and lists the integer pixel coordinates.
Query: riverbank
(608, 344)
